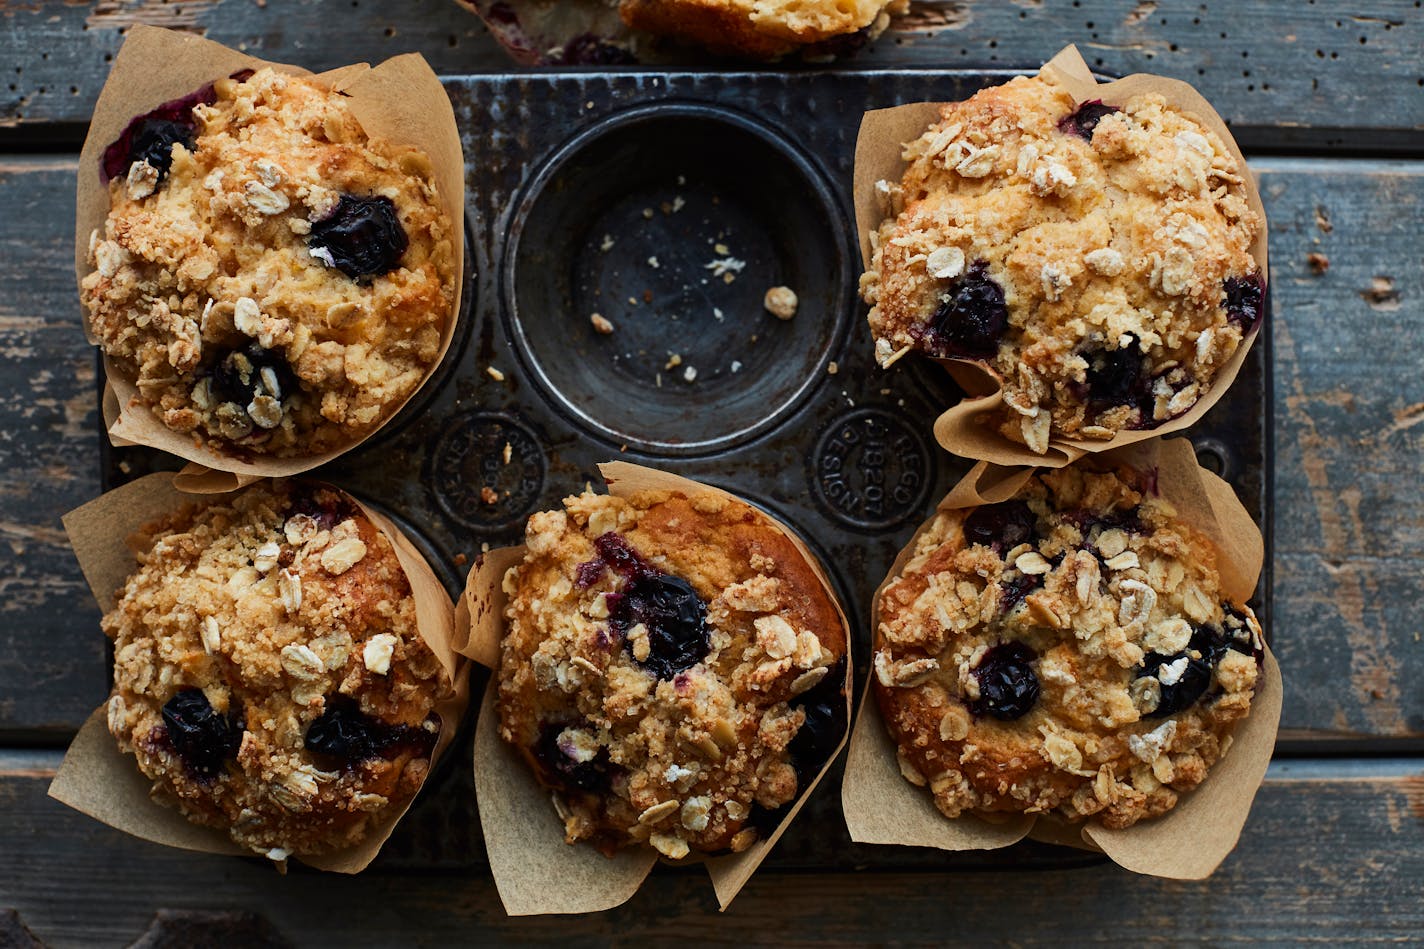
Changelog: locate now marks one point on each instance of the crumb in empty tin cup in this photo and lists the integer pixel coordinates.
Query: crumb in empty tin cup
(781, 302)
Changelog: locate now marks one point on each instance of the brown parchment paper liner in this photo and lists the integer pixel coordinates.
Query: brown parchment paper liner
(101, 781)
(969, 428)
(534, 870)
(381, 100)
(1186, 843)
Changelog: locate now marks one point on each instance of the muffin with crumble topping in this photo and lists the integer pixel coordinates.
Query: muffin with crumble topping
(272, 280)
(1067, 652)
(765, 29)
(1096, 257)
(605, 32)
(673, 667)
(269, 676)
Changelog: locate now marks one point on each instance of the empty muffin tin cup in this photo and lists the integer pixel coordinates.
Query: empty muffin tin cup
(636, 269)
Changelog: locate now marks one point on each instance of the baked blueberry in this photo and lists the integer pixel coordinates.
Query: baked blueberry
(363, 237)
(1115, 375)
(825, 724)
(203, 738)
(1016, 588)
(325, 508)
(240, 375)
(1244, 298)
(1085, 119)
(562, 750)
(615, 554)
(589, 50)
(1183, 679)
(971, 317)
(675, 619)
(1008, 686)
(344, 732)
(150, 137)
(1002, 526)
(1089, 521)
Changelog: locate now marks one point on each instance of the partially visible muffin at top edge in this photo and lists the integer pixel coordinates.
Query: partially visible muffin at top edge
(765, 29)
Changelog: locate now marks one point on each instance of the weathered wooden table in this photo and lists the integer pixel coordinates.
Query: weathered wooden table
(1327, 99)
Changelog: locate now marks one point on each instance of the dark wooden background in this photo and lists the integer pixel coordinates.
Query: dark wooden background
(1327, 99)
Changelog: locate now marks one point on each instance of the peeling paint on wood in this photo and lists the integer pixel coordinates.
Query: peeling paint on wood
(1336, 75)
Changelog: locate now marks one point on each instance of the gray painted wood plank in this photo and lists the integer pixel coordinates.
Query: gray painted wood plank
(1349, 517)
(1345, 75)
(1333, 853)
(1349, 512)
(51, 654)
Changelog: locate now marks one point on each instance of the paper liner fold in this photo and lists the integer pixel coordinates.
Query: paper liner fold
(534, 870)
(381, 99)
(1192, 839)
(970, 428)
(103, 782)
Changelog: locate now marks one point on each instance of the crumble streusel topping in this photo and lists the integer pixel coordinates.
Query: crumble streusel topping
(272, 280)
(1066, 652)
(1096, 257)
(672, 668)
(268, 673)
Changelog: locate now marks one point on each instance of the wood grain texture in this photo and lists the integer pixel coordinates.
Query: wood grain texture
(1349, 527)
(1349, 519)
(1333, 853)
(1311, 74)
(49, 642)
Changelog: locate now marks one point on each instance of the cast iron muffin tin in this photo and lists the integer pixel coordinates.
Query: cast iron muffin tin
(618, 194)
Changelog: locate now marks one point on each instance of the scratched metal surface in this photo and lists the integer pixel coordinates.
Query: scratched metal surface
(612, 193)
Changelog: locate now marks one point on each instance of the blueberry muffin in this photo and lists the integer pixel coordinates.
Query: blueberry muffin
(1096, 257)
(273, 281)
(765, 29)
(1067, 652)
(673, 668)
(268, 674)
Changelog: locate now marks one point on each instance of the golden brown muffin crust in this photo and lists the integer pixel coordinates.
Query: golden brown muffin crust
(1139, 669)
(215, 261)
(1114, 256)
(677, 755)
(281, 608)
